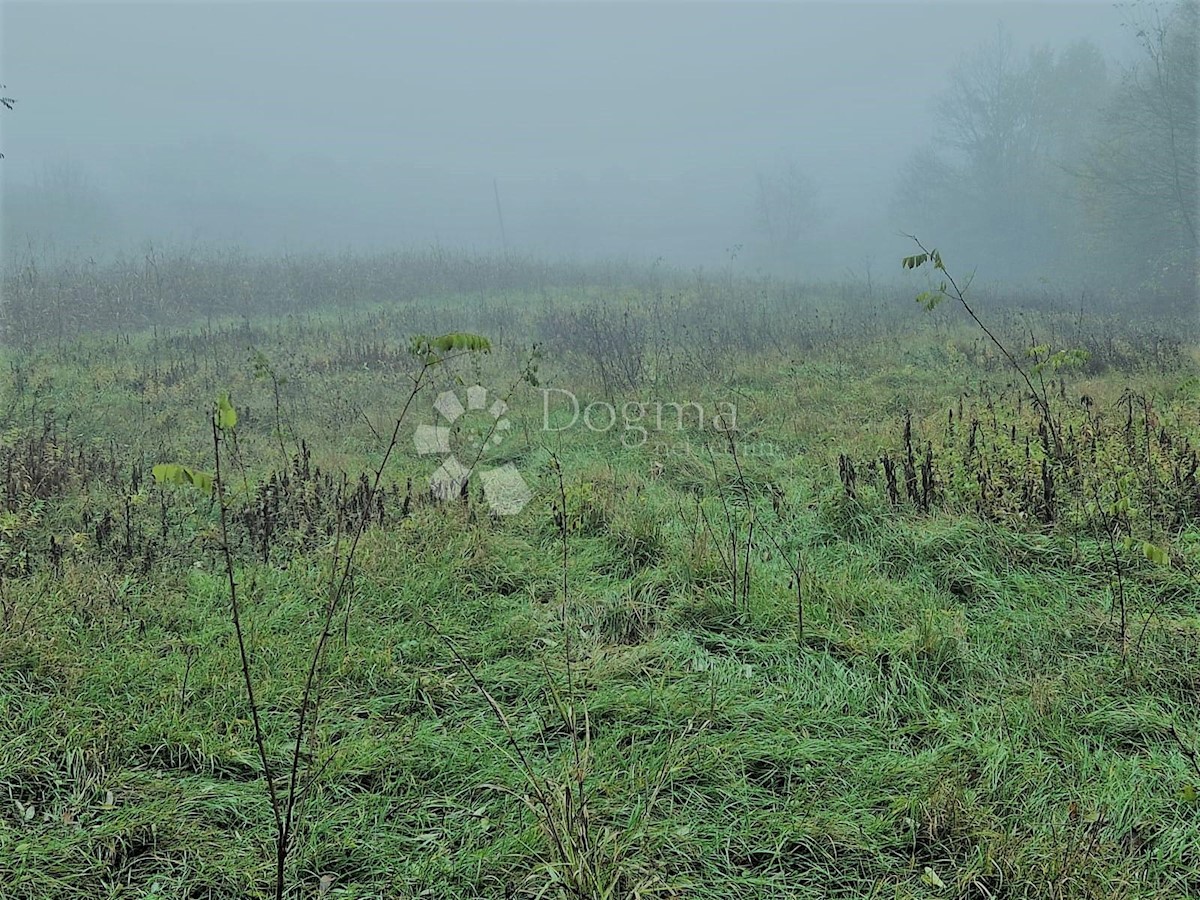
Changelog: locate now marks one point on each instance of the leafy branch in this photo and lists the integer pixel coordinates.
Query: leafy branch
(948, 288)
(8, 103)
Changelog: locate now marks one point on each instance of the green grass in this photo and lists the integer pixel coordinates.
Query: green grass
(955, 719)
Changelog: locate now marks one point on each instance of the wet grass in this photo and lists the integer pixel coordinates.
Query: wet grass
(955, 718)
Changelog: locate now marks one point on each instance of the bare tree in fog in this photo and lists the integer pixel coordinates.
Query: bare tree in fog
(785, 209)
(1043, 166)
(1141, 180)
(997, 176)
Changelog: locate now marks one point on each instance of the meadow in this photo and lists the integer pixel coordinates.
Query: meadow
(827, 596)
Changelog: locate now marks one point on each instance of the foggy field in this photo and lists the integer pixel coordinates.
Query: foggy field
(975, 689)
(599, 451)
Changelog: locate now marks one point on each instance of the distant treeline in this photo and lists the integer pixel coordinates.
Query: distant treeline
(1055, 165)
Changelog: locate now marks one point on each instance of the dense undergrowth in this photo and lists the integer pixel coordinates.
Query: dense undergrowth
(888, 638)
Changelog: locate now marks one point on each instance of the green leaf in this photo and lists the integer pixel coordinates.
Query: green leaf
(915, 262)
(173, 473)
(1156, 554)
(931, 878)
(226, 414)
(169, 473)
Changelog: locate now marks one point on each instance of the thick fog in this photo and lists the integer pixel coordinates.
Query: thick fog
(563, 129)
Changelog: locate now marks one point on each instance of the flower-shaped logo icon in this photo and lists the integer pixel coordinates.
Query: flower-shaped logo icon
(503, 487)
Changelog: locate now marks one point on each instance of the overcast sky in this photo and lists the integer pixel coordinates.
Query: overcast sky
(614, 128)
